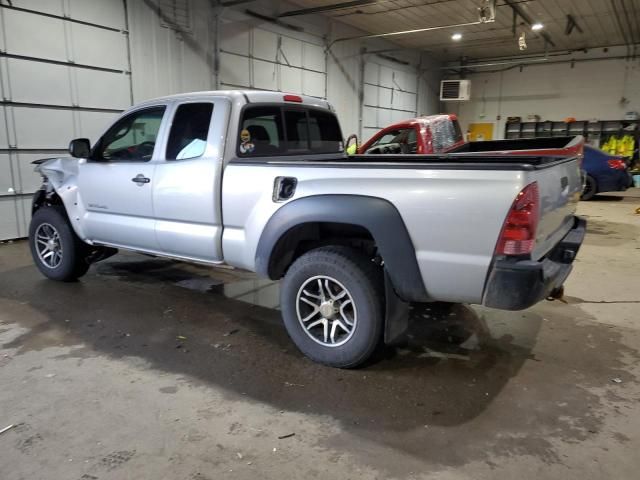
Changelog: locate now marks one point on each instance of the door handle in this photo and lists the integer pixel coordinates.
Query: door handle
(140, 179)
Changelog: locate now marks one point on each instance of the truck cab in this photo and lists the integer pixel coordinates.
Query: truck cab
(421, 135)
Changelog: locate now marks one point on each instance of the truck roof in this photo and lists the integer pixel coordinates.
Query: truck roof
(247, 96)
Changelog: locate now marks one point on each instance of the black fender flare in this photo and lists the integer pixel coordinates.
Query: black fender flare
(376, 215)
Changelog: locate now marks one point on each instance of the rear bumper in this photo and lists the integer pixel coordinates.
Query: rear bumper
(516, 285)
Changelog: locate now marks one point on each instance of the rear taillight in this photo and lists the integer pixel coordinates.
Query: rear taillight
(519, 230)
(616, 164)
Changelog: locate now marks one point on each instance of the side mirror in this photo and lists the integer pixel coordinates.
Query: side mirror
(80, 148)
(350, 148)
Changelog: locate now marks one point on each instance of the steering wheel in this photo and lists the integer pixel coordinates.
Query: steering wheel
(145, 149)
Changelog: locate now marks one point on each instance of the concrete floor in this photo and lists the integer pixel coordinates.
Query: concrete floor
(152, 369)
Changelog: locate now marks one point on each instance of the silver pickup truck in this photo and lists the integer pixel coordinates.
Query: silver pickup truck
(260, 181)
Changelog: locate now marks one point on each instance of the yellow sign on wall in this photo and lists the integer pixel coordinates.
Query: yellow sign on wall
(480, 131)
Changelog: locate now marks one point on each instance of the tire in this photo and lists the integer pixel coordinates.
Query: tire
(62, 259)
(325, 273)
(590, 188)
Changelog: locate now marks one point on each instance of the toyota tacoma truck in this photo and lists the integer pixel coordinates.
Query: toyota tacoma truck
(260, 181)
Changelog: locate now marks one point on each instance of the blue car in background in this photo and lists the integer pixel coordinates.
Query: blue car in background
(604, 173)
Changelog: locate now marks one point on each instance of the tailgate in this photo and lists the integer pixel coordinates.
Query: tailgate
(560, 186)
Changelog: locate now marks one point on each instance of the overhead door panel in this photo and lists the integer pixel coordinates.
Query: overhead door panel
(65, 73)
(252, 57)
(33, 35)
(94, 124)
(42, 128)
(291, 50)
(389, 95)
(54, 7)
(27, 85)
(265, 44)
(234, 70)
(265, 75)
(103, 89)
(291, 80)
(101, 12)
(8, 216)
(100, 47)
(6, 177)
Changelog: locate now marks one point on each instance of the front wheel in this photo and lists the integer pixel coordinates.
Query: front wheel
(332, 301)
(56, 250)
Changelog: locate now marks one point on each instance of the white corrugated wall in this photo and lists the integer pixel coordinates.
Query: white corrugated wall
(68, 67)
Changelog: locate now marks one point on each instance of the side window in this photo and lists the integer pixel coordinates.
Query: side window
(444, 135)
(261, 131)
(287, 131)
(132, 138)
(188, 135)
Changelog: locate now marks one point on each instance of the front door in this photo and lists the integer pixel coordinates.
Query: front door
(116, 183)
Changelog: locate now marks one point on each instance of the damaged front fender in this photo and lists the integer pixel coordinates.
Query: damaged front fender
(61, 179)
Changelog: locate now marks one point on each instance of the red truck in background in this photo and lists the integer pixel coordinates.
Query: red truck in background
(422, 135)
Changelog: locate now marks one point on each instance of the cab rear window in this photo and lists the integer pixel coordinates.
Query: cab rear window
(283, 130)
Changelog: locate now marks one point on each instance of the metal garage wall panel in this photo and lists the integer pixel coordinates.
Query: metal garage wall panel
(367, 133)
(109, 13)
(292, 50)
(53, 7)
(37, 82)
(265, 44)
(313, 83)
(386, 77)
(34, 35)
(370, 117)
(4, 141)
(23, 211)
(291, 79)
(234, 70)
(95, 46)
(397, 115)
(234, 37)
(43, 128)
(384, 97)
(372, 73)
(370, 95)
(102, 89)
(6, 178)
(28, 181)
(93, 124)
(384, 117)
(265, 75)
(313, 57)
(8, 217)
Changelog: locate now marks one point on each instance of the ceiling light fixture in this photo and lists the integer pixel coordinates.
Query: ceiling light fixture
(456, 37)
(537, 26)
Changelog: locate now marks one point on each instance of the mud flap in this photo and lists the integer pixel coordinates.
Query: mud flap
(396, 314)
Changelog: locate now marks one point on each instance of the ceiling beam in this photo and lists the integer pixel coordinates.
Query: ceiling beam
(328, 8)
(517, 9)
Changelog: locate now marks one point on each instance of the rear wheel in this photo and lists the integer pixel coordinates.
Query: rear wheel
(590, 188)
(332, 306)
(56, 250)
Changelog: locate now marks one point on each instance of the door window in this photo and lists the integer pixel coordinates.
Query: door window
(188, 136)
(402, 140)
(132, 138)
